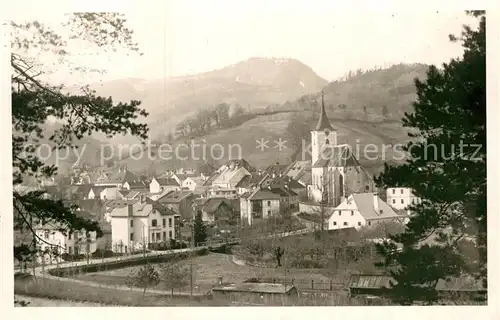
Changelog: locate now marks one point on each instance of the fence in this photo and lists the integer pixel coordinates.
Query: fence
(335, 284)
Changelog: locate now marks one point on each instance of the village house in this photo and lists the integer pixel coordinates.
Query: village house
(401, 198)
(163, 184)
(194, 184)
(56, 243)
(300, 171)
(218, 211)
(136, 185)
(180, 177)
(360, 210)
(117, 178)
(136, 224)
(259, 204)
(179, 201)
(103, 192)
(219, 192)
(230, 175)
(250, 182)
(287, 183)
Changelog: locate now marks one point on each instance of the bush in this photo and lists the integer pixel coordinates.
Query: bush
(100, 253)
(71, 257)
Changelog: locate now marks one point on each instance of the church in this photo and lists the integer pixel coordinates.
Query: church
(336, 172)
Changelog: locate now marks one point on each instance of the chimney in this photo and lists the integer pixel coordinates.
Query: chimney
(375, 203)
(274, 175)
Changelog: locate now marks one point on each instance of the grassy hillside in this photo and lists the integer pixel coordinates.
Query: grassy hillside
(345, 101)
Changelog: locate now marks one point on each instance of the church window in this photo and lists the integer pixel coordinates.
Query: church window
(402, 191)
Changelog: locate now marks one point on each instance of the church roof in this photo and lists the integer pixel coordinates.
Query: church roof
(323, 123)
(337, 156)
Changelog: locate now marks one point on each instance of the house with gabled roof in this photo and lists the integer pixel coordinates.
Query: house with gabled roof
(215, 210)
(162, 184)
(139, 223)
(103, 192)
(261, 203)
(362, 210)
(179, 201)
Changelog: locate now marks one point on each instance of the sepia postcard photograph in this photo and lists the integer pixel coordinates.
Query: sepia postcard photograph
(244, 154)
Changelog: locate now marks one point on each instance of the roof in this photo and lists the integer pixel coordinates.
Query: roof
(137, 184)
(265, 194)
(241, 163)
(184, 176)
(276, 168)
(460, 284)
(212, 204)
(370, 281)
(364, 202)
(282, 182)
(211, 178)
(98, 189)
(337, 156)
(228, 176)
(297, 167)
(174, 196)
(120, 208)
(275, 288)
(323, 123)
(251, 180)
(120, 176)
(199, 181)
(167, 181)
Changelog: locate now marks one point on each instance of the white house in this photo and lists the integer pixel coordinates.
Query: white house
(401, 198)
(361, 209)
(137, 223)
(56, 243)
(159, 185)
(103, 192)
(218, 192)
(194, 184)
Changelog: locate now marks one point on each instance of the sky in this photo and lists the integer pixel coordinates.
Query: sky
(188, 37)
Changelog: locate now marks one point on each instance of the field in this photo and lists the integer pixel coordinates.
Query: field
(207, 268)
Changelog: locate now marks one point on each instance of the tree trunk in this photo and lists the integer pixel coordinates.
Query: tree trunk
(144, 292)
(172, 292)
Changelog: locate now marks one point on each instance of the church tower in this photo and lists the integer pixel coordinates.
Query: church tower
(323, 134)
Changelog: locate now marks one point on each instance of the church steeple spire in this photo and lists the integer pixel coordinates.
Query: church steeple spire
(323, 123)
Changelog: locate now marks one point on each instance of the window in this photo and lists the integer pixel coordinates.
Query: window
(402, 201)
(131, 236)
(352, 212)
(164, 223)
(340, 213)
(131, 223)
(413, 201)
(153, 237)
(359, 223)
(345, 223)
(269, 203)
(154, 223)
(46, 235)
(334, 223)
(70, 250)
(381, 211)
(327, 141)
(170, 222)
(393, 201)
(369, 223)
(164, 236)
(170, 234)
(126, 249)
(402, 191)
(268, 212)
(393, 191)
(158, 236)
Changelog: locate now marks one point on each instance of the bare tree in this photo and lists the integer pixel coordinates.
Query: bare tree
(174, 275)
